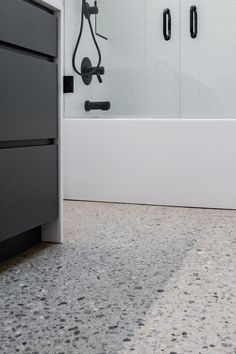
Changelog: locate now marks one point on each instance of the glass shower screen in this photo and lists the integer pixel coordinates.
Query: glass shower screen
(142, 57)
(162, 59)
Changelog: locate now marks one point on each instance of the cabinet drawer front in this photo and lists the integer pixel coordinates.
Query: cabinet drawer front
(28, 26)
(28, 91)
(28, 188)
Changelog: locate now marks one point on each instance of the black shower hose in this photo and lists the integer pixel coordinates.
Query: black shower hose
(95, 70)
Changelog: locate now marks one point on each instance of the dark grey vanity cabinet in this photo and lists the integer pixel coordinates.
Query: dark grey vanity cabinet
(28, 94)
(29, 196)
(28, 122)
(24, 24)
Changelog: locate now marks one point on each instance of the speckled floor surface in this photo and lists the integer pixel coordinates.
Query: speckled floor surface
(128, 279)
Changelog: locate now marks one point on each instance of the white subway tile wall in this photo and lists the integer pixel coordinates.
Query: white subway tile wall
(147, 76)
(74, 102)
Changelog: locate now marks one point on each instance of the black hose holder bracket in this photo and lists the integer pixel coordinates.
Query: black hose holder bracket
(90, 10)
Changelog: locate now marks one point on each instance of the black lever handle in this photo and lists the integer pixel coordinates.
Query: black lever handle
(99, 78)
(167, 24)
(193, 21)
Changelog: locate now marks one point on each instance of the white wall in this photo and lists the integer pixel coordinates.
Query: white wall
(74, 102)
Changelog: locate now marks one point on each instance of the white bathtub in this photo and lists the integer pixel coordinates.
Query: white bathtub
(151, 161)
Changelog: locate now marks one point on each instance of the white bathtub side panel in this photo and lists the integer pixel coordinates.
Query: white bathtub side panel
(164, 162)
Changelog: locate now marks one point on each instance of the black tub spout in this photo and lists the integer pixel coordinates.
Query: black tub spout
(103, 106)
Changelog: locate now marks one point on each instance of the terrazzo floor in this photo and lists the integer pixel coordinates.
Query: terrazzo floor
(128, 279)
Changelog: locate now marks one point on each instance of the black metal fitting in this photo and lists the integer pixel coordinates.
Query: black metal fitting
(87, 71)
(103, 106)
(68, 84)
(90, 10)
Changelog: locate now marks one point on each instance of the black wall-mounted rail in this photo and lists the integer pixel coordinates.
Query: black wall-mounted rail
(167, 24)
(193, 21)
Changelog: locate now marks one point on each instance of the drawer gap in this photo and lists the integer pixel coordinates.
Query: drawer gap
(29, 52)
(26, 143)
(35, 4)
